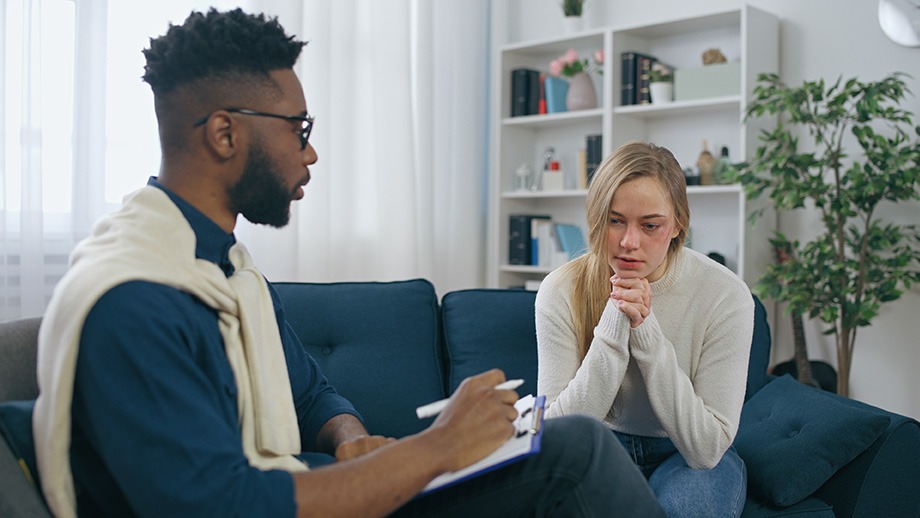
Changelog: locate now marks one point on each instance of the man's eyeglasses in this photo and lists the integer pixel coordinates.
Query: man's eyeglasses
(305, 121)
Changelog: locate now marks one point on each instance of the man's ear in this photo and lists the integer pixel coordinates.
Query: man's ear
(222, 134)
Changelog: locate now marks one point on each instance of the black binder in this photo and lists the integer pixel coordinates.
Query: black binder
(525, 92)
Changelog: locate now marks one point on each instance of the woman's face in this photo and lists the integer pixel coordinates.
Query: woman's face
(640, 227)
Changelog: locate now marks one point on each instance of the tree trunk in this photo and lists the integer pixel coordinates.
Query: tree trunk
(844, 354)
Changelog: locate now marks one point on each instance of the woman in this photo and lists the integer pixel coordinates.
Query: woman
(651, 337)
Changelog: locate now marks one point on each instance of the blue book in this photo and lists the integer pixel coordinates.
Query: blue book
(556, 90)
(571, 240)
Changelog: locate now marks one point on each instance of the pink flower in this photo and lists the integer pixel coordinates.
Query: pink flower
(599, 56)
(555, 67)
(570, 56)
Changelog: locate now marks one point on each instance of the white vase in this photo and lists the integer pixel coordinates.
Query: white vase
(572, 24)
(661, 92)
(581, 94)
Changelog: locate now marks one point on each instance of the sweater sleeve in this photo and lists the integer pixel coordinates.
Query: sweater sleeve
(571, 386)
(700, 410)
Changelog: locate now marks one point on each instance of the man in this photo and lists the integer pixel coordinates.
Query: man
(159, 354)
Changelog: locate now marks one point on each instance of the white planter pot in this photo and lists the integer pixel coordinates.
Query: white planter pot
(661, 92)
(572, 24)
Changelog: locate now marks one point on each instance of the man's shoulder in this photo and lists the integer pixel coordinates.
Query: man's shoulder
(139, 304)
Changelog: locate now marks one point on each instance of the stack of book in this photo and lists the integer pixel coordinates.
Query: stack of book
(536, 240)
(534, 92)
(635, 77)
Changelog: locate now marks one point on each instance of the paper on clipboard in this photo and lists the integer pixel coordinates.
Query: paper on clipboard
(526, 441)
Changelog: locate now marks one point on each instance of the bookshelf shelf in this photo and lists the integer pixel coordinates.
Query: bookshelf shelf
(719, 213)
(513, 268)
(677, 108)
(523, 195)
(554, 119)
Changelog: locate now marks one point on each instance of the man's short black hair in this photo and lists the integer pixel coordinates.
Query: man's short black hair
(218, 45)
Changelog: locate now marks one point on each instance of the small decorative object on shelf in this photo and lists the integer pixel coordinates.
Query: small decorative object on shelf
(553, 179)
(706, 163)
(692, 176)
(661, 85)
(581, 94)
(522, 177)
(713, 56)
(723, 165)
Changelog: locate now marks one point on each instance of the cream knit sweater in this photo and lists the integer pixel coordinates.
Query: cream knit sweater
(680, 374)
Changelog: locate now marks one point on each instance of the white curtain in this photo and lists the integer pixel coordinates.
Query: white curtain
(399, 89)
(400, 94)
(50, 174)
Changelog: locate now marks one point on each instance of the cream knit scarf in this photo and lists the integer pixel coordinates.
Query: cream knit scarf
(149, 239)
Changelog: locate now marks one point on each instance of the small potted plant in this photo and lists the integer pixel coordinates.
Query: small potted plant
(661, 83)
(572, 9)
(581, 94)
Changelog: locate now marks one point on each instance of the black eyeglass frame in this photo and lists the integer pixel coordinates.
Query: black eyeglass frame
(306, 121)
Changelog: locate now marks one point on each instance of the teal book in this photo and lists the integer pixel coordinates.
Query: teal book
(571, 239)
(556, 90)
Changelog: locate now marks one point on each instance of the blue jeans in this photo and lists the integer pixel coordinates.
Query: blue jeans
(683, 491)
(581, 470)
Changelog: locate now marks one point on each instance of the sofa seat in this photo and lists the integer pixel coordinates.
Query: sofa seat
(392, 346)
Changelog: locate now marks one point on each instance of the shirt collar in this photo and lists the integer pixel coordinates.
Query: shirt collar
(211, 242)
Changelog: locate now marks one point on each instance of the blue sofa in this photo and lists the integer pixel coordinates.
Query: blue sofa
(393, 346)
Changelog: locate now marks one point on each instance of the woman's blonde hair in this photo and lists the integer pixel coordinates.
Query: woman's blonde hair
(592, 271)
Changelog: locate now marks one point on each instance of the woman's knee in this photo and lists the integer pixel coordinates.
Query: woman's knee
(684, 491)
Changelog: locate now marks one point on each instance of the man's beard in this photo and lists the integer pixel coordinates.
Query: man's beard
(260, 195)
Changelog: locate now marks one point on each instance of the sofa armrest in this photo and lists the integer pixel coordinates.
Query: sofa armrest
(883, 480)
(19, 492)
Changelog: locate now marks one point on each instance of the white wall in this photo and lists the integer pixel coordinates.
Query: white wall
(819, 39)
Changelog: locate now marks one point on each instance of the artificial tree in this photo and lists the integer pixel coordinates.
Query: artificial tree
(865, 151)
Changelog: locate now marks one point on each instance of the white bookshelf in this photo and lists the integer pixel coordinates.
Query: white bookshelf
(719, 214)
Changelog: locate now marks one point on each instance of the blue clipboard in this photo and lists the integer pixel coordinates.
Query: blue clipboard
(525, 442)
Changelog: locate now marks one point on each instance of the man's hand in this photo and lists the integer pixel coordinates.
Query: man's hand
(633, 297)
(360, 445)
(478, 419)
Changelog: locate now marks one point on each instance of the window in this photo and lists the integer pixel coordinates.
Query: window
(78, 130)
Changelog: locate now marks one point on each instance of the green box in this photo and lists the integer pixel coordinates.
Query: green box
(708, 81)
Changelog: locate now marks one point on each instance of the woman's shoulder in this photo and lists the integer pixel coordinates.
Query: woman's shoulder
(707, 272)
(558, 284)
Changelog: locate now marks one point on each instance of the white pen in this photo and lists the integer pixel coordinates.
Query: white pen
(433, 409)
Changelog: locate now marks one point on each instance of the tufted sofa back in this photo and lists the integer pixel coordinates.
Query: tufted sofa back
(376, 342)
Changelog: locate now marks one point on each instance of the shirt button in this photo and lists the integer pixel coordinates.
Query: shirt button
(327, 350)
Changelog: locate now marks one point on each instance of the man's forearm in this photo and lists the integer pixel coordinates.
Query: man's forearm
(339, 429)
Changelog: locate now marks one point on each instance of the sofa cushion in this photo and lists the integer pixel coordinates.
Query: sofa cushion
(759, 360)
(489, 328)
(810, 507)
(377, 344)
(793, 438)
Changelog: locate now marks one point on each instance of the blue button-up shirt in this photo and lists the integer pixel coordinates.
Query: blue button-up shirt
(155, 422)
